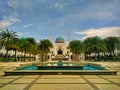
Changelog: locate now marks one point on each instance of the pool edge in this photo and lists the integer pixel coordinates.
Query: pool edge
(62, 72)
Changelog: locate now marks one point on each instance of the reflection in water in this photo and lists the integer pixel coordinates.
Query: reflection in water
(60, 63)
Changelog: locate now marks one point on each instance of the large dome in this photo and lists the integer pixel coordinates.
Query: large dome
(59, 40)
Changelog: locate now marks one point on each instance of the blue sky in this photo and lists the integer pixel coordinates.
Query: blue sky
(82, 18)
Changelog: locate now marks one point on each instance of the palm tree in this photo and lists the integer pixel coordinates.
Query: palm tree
(32, 45)
(94, 45)
(87, 42)
(6, 37)
(76, 47)
(44, 47)
(14, 45)
(24, 46)
(112, 43)
(118, 44)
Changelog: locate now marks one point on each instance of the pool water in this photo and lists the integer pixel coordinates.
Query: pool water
(85, 67)
(29, 68)
(88, 67)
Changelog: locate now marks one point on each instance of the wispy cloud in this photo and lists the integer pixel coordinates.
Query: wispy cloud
(60, 5)
(12, 3)
(4, 23)
(101, 32)
(27, 25)
(103, 10)
(94, 10)
(24, 34)
(9, 15)
(8, 21)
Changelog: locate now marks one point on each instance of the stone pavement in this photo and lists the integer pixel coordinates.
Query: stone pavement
(60, 82)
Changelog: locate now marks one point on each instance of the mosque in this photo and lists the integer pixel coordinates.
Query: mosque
(60, 51)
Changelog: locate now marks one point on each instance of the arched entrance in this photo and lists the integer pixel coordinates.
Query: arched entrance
(60, 51)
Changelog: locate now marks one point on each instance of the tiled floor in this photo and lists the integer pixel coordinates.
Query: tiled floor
(60, 82)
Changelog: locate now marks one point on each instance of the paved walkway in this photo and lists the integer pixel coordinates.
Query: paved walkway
(60, 82)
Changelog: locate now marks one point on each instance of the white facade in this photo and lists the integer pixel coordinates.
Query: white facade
(60, 51)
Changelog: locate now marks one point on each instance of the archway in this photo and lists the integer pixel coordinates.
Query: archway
(60, 51)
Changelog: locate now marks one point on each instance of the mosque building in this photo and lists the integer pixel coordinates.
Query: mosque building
(60, 51)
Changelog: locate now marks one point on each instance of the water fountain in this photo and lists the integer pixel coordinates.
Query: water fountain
(60, 63)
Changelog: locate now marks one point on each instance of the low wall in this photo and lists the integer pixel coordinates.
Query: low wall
(64, 72)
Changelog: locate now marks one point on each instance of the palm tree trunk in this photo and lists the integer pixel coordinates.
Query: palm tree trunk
(98, 57)
(15, 55)
(75, 57)
(113, 55)
(42, 56)
(34, 57)
(104, 55)
(85, 55)
(89, 57)
(29, 57)
(24, 55)
(6, 56)
(95, 56)
(45, 57)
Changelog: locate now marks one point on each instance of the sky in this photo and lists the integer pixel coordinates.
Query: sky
(41, 18)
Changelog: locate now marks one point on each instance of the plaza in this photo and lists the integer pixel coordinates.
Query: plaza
(60, 82)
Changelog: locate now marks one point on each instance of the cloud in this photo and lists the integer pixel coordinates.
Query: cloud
(104, 11)
(9, 13)
(59, 5)
(27, 25)
(101, 32)
(23, 34)
(9, 20)
(12, 3)
(4, 23)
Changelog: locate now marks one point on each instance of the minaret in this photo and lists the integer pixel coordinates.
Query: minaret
(69, 37)
(50, 37)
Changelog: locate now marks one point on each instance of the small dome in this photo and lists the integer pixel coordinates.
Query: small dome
(59, 40)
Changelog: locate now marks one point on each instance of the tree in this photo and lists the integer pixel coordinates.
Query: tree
(112, 43)
(118, 44)
(14, 45)
(24, 46)
(44, 47)
(76, 47)
(87, 42)
(94, 45)
(6, 36)
(32, 46)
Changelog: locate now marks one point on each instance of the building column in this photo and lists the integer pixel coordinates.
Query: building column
(69, 57)
(50, 57)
